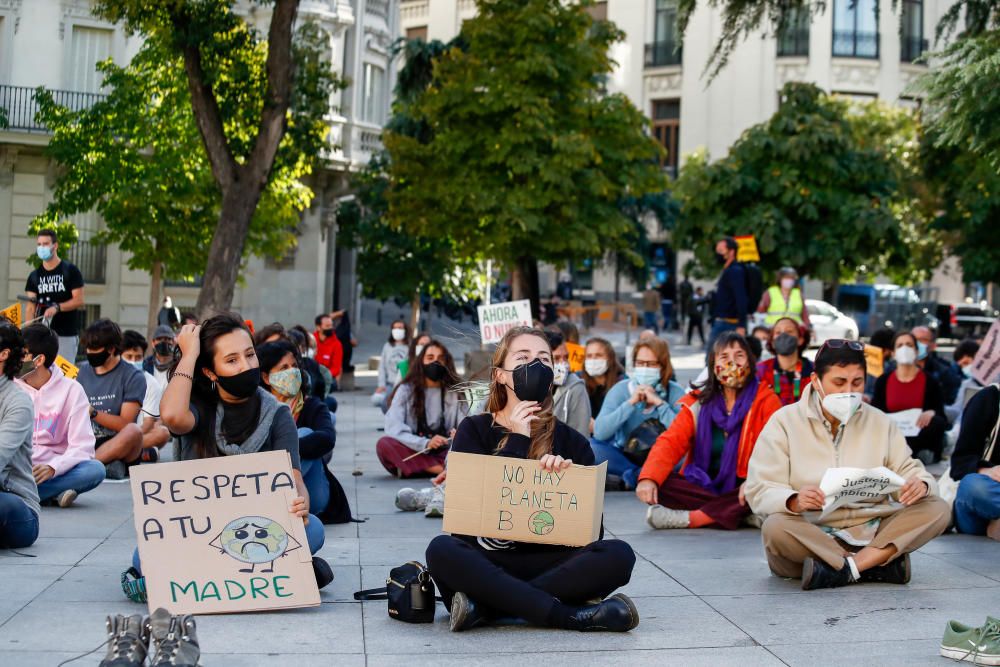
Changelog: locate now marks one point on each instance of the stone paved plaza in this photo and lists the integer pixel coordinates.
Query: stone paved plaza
(705, 597)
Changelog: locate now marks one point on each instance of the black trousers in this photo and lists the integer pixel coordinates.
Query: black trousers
(931, 438)
(526, 584)
(695, 323)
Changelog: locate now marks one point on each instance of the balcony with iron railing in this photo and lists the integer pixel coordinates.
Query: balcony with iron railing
(793, 42)
(663, 53)
(91, 258)
(911, 48)
(22, 107)
(855, 44)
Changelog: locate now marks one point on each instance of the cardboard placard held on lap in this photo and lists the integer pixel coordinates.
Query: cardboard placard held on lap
(215, 535)
(514, 499)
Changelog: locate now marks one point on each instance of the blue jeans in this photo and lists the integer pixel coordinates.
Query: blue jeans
(315, 536)
(316, 483)
(977, 503)
(649, 320)
(667, 308)
(18, 522)
(619, 465)
(82, 477)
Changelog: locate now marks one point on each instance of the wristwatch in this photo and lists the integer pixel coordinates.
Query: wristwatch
(93, 412)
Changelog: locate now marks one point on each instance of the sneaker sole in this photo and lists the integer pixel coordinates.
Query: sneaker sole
(969, 656)
(67, 498)
(434, 513)
(459, 612)
(807, 573)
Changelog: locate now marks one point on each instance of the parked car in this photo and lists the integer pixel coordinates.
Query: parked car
(828, 322)
(965, 320)
(875, 306)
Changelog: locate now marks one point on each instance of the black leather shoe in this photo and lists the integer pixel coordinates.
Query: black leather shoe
(465, 614)
(893, 572)
(323, 572)
(616, 614)
(817, 574)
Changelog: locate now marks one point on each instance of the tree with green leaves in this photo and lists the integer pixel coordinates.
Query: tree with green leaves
(257, 104)
(526, 156)
(822, 187)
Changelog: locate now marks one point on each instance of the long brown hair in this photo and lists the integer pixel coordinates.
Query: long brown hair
(417, 382)
(661, 350)
(543, 428)
(614, 372)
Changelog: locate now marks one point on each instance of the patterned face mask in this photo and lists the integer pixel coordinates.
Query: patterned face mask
(287, 382)
(731, 375)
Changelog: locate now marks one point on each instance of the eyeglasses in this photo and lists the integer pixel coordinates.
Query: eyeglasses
(647, 364)
(837, 343)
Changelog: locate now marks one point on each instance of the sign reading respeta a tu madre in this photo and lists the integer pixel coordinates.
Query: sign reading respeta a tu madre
(216, 535)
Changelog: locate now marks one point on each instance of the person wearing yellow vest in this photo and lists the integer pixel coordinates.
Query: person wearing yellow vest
(784, 299)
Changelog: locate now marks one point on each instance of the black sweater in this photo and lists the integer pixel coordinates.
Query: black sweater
(978, 419)
(321, 441)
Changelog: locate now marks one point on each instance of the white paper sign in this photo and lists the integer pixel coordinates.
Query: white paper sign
(854, 487)
(907, 421)
(497, 319)
(986, 365)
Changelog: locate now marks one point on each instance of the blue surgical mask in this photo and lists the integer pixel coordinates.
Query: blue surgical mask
(44, 252)
(134, 364)
(648, 376)
(921, 351)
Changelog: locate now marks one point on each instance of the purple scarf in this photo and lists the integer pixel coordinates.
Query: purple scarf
(714, 414)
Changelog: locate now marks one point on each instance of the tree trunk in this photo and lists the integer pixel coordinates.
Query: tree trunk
(524, 283)
(226, 252)
(415, 313)
(155, 288)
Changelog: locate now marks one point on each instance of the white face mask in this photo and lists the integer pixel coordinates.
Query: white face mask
(418, 350)
(595, 367)
(310, 353)
(560, 372)
(841, 406)
(906, 356)
(398, 334)
(788, 283)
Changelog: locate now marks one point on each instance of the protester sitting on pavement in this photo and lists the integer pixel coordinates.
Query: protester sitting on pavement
(394, 351)
(907, 388)
(714, 434)
(784, 299)
(601, 371)
(215, 405)
(313, 381)
(270, 333)
(831, 427)
(975, 465)
(571, 403)
(414, 352)
(947, 374)
(788, 371)
(281, 375)
(116, 391)
(329, 351)
(635, 412)
(761, 336)
(154, 434)
(18, 495)
(424, 411)
(481, 579)
(62, 457)
(881, 339)
(571, 334)
(965, 353)
(158, 364)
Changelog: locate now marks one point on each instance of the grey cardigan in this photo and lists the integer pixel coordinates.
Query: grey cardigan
(401, 423)
(17, 427)
(572, 405)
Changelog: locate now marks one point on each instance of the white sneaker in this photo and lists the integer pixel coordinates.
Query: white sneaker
(660, 517)
(66, 498)
(411, 500)
(435, 507)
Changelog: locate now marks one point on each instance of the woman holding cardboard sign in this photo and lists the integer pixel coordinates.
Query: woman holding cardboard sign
(215, 404)
(546, 585)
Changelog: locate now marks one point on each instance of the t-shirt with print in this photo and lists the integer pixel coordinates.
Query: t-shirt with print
(106, 393)
(56, 286)
(151, 402)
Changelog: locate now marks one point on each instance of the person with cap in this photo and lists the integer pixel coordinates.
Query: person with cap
(158, 364)
(784, 299)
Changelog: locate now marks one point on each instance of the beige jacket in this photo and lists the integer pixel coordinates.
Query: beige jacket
(796, 448)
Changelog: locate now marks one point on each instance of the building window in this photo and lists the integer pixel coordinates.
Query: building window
(912, 43)
(793, 35)
(419, 32)
(667, 130)
(855, 28)
(373, 95)
(598, 11)
(666, 47)
(88, 256)
(88, 46)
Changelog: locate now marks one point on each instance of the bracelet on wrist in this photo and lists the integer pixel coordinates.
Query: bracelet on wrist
(183, 375)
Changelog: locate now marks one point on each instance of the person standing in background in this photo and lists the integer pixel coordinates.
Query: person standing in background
(650, 307)
(729, 307)
(55, 290)
(784, 300)
(684, 291)
(342, 329)
(329, 351)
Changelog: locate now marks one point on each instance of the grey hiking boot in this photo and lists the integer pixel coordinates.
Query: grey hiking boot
(128, 637)
(173, 640)
(411, 500)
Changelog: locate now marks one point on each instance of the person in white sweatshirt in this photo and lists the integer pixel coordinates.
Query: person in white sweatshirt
(62, 456)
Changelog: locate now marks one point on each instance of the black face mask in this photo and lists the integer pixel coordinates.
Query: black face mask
(164, 349)
(327, 332)
(785, 344)
(434, 371)
(720, 259)
(532, 382)
(96, 359)
(241, 385)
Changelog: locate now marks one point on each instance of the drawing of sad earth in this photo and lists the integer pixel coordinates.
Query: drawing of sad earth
(255, 540)
(541, 523)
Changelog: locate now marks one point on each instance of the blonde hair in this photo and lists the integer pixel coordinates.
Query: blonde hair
(661, 350)
(543, 427)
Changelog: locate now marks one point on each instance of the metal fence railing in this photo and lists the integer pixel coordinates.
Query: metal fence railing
(22, 107)
(660, 54)
(855, 44)
(92, 259)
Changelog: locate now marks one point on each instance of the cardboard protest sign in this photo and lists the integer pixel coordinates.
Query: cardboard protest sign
(67, 368)
(746, 249)
(497, 319)
(14, 314)
(576, 356)
(514, 499)
(986, 365)
(874, 360)
(906, 420)
(215, 535)
(852, 487)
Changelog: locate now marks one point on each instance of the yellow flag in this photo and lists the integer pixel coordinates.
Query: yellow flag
(874, 360)
(13, 313)
(68, 369)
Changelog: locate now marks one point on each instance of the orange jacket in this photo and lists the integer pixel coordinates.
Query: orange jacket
(678, 440)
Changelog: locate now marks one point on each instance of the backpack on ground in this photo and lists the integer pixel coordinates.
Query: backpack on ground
(409, 591)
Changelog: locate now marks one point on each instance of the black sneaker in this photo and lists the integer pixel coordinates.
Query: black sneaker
(149, 455)
(894, 572)
(116, 470)
(128, 638)
(817, 574)
(173, 640)
(323, 572)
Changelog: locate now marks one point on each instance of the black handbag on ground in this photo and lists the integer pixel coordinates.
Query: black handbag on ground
(641, 440)
(410, 593)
